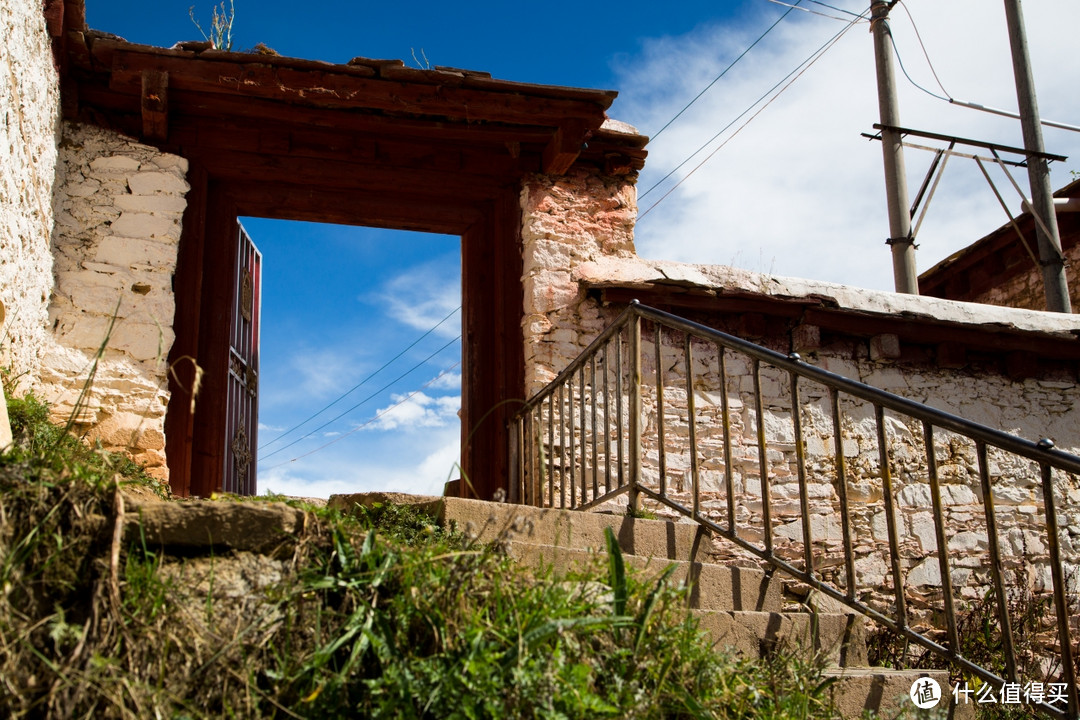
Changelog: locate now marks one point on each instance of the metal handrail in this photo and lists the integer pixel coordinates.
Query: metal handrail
(536, 470)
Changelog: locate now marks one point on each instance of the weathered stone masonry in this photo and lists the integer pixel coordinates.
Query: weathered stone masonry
(119, 210)
(29, 117)
(577, 244)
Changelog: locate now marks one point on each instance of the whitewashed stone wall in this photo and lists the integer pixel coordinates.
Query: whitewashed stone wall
(578, 233)
(119, 211)
(29, 113)
(569, 220)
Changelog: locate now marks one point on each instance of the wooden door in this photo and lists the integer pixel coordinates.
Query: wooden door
(242, 403)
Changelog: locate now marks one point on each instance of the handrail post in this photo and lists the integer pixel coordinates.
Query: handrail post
(635, 411)
(1061, 607)
(516, 476)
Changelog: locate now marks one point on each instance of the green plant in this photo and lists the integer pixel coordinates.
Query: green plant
(221, 26)
(979, 630)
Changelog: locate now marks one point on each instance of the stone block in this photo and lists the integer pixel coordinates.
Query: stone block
(153, 182)
(144, 225)
(128, 251)
(114, 163)
(151, 204)
(805, 338)
(884, 347)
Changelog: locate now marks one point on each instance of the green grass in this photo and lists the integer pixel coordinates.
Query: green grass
(380, 615)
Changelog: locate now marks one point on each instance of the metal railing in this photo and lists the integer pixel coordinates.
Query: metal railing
(581, 442)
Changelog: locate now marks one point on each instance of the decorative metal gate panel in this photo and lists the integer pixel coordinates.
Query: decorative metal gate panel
(242, 405)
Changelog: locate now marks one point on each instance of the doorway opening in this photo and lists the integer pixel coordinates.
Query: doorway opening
(360, 361)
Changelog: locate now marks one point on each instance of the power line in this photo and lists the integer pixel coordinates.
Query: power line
(369, 397)
(725, 71)
(797, 73)
(926, 55)
(812, 12)
(948, 97)
(362, 382)
(373, 419)
(900, 62)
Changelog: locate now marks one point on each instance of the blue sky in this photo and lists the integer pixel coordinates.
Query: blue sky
(796, 192)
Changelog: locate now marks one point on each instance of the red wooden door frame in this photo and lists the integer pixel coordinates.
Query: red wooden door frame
(493, 355)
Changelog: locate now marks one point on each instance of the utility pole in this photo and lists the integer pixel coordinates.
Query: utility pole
(903, 245)
(1042, 197)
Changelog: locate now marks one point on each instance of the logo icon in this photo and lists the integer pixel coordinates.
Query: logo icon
(925, 693)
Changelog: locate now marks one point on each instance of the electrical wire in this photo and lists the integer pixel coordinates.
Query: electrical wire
(808, 10)
(790, 78)
(900, 62)
(948, 97)
(926, 55)
(725, 70)
(369, 397)
(854, 14)
(359, 384)
(373, 419)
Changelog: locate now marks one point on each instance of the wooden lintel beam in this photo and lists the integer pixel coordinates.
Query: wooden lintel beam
(917, 331)
(155, 105)
(395, 211)
(347, 175)
(564, 148)
(991, 338)
(337, 89)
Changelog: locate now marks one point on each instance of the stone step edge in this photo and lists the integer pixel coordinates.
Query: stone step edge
(837, 639)
(886, 692)
(202, 524)
(719, 587)
(494, 522)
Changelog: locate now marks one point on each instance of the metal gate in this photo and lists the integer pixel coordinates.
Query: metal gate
(242, 405)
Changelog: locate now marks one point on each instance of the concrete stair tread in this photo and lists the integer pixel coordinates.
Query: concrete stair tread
(713, 587)
(839, 639)
(741, 609)
(493, 522)
(887, 692)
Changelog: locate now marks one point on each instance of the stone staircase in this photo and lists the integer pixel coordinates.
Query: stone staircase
(742, 609)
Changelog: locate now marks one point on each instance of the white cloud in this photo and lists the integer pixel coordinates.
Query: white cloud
(425, 294)
(419, 464)
(449, 381)
(799, 192)
(418, 411)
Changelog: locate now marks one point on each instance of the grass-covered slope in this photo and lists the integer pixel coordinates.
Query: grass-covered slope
(382, 615)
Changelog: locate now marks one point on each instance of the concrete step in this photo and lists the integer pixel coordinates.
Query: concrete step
(712, 587)
(887, 693)
(496, 522)
(838, 639)
(739, 608)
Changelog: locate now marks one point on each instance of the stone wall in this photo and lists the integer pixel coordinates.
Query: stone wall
(1025, 290)
(578, 236)
(569, 220)
(119, 210)
(29, 112)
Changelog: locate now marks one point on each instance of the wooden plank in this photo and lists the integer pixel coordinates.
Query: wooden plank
(355, 176)
(392, 210)
(155, 105)
(217, 299)
(336, 89)
(268, 114)
(183, 356)
(922, 331)
(563, 148)
(492, 349)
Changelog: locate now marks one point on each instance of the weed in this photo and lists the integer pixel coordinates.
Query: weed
(381, 615)
(221, 25)
(979, 631)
